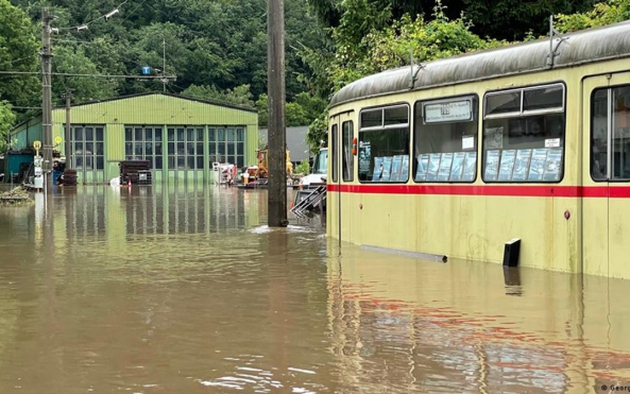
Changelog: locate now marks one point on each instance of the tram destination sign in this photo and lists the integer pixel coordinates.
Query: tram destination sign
(448, 111)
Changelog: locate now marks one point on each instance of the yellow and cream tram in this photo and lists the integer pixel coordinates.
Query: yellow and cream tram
(458, 156)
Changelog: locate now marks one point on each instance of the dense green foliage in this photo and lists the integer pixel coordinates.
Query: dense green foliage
(500, 19)
(7, 117)
(602, 14)
(217, 49)
(18, 52)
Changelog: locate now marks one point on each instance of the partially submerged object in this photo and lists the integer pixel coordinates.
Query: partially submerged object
(15, 195)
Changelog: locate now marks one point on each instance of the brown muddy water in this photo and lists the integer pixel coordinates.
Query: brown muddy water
(185, 290)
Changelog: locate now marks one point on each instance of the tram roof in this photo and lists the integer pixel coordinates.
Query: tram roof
(608, 42)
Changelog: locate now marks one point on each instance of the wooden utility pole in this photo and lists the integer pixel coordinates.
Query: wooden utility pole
(46, 94)
(277, 189)
(67, 135)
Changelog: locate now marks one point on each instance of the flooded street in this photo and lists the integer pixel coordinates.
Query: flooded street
(185, 290)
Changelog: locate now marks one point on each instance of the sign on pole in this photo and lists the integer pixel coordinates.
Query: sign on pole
(37, 145)
(146, 70)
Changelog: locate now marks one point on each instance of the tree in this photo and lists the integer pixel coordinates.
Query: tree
(384, 47)
(7, 118)
(75, 61)
(240, 95)
(602, 14)
(18, 52)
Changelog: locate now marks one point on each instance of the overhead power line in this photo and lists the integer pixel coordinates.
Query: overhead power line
(86, 25)
(112, 76)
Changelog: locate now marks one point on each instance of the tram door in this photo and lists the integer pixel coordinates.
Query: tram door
(606, 175)
(342, 160)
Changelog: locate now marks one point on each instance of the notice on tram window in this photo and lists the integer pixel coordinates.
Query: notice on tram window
(423, 164)
(396, 164)
(470, 167)
(494, 138)
(404, 169)
(537, 166)
(507, 165)
(552, 165)
(458, 165)
(492, 165)
(387, 169)
(378, 169)
(434, 166)
(468, 142)
(521, 165)
(365, 156)
(552, 143)
(445, 167)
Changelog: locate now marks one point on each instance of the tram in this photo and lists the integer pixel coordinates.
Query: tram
(458, 156)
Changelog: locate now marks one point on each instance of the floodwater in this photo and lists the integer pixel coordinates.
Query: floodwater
(185, 290)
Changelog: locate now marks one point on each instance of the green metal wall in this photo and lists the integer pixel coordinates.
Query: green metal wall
(27, 132)
(153, 109)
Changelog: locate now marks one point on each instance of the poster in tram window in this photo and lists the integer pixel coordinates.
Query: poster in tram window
(423, 164)
(470, 166)
(434, 166)
(387, 168)
(378, 169)
(404, 169)
(537, 167)
(492, 165)
(521, 165)
(365, 156)
(552, 165)
(445, 167)
(396, 163)
(507, 165)
(458, 165)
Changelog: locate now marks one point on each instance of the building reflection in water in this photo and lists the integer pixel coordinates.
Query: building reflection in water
(159, 209)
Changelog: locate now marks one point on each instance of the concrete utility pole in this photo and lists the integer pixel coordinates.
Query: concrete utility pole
(67, 136)
(277, 189)
(46, 94)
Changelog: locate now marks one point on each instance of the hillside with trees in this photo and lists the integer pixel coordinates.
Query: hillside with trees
(217, 49)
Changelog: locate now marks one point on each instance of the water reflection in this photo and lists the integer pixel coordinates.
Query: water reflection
(185, 289)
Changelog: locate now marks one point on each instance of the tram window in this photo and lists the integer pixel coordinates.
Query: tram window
(543, 98)
(610, 134)
(503, 103)
(384, 147)
(396, 115)
(445, 140)
(526, 145)
(333, 152)
(347, 158)
(372, 118)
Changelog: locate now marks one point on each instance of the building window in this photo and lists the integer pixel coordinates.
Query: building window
(445, 140)
(523, 134)
(144, 143)
(610, 134)
(88, 148)
(227, 145)
(384, 144)
(347, 130)
(185, 147)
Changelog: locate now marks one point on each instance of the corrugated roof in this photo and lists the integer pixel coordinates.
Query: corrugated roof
(586, 46)
(204, 101)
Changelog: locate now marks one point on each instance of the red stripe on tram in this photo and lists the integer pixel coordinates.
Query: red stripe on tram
(488, 190)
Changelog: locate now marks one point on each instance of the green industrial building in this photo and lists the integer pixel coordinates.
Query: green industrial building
(180, 136)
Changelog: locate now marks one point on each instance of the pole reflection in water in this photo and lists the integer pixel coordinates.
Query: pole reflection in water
(185, 289)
